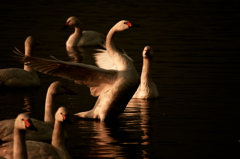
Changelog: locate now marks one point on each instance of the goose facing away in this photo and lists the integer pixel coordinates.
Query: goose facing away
(114, 87)
(45, 127)
(147, 88)
(17, 77)
(36, 149)
(83, 37)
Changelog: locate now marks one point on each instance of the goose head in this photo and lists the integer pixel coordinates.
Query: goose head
(62, 115)
(124, 25)
(147, 52)
(29, 44)
(71, 21)
(57, 88)
(24, 122)
(31, 41)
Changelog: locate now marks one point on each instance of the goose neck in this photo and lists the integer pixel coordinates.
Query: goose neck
(121, 62)
(49, 108)
(58, 141)
(109, 41)
(146, 69)
(28, 49)
(19, 144)
(58, 135)
(78, 30)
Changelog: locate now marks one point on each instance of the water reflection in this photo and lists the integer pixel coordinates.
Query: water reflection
(129, 135)
(101, 141)
(75, 54)
(28, 105)
(143, 108)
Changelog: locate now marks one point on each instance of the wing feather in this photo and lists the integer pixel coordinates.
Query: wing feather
(88, 75)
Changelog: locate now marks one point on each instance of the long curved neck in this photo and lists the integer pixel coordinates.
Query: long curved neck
(109, 42)
(119, 60)
(49, 108)
(146, 75)
(19, 144)
(74, 39)
(58, 141)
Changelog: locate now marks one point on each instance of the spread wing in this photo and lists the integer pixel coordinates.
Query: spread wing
(88, 75)
(103, 60)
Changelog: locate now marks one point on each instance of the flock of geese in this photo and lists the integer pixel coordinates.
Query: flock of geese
(114, 81)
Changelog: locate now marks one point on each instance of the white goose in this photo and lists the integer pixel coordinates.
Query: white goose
(17, 77)
(21, 149)
(45, 127)
(114, 87)
(83, 37)
(18, 149)
(147, 88)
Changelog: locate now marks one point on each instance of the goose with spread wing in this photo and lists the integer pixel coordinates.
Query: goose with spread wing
(114, 87)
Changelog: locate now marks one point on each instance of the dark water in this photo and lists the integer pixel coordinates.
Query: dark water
(196, 69)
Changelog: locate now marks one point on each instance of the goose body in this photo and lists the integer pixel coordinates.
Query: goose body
(16, 77)
(45, 127)
(147, 88)
(114, 87)
(82, 37)
(21, 149)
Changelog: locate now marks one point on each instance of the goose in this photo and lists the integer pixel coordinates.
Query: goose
(46, 126)
(21, 149)
(147, 88)
(82, 37)
(18, 149)
(17, 77)
(114, 87)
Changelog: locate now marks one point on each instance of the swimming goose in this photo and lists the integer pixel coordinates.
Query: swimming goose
(147, 88)
(17, 77)
(21, 149)
(83, 37)
(18, 149)
(114, 87)
(45, 127)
